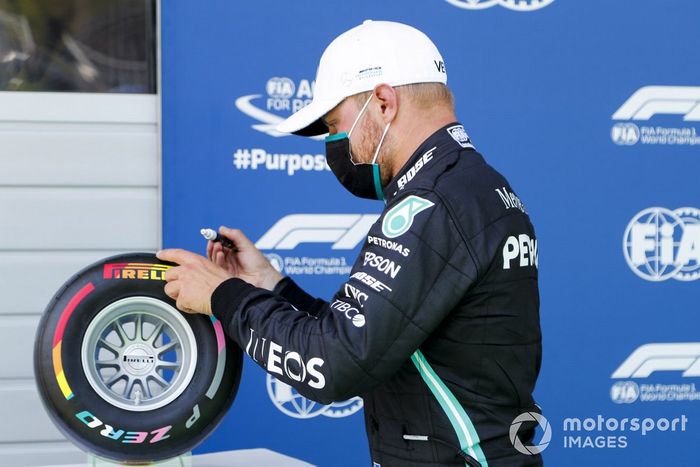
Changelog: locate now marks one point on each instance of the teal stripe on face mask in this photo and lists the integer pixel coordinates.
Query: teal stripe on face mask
(336, 137)
(378, 182)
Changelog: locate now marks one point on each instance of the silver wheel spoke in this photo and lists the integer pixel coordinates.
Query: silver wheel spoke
(146, 390)
(120, 332)
(158, 379)
(167, 365)
(156, 332)
(138, 333)
(129, 387)
(164, 348)
(114, 378)
(115, 363)
(109, 346)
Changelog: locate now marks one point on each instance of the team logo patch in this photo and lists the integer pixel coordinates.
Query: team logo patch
(400, 218)
(460, 135)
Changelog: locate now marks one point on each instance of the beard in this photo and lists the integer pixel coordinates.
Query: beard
(363, 151)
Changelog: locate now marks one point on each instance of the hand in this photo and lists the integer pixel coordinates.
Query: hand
(192, 283)
(247, 263)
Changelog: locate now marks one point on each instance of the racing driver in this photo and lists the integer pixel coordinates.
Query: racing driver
(437, 327)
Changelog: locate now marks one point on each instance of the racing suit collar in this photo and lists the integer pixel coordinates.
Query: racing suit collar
(449, 139)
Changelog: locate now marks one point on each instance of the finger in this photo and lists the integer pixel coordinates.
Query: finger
(237, 237)
(181, 306)
(172, 290)
(220, 259)
(210, 248)
(215, 249)
(172, 274)
(177, 255)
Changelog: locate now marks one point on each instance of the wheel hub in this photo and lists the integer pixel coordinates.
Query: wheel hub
(139, 359)
(139, 353)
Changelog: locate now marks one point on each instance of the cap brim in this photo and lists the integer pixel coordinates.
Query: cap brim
(307, 120)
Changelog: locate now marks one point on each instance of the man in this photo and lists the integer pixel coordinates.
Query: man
(437, 327)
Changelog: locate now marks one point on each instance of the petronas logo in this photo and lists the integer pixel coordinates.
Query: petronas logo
(400, 218)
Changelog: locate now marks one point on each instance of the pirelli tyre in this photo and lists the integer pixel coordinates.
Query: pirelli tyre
(125, 375)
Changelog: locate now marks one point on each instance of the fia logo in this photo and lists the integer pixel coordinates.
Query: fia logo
(625, 134)
(516, 5)
(284, 97)
(661, 244)
(624, 392)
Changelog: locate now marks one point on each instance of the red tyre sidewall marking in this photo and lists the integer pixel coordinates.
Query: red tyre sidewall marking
(58, 338)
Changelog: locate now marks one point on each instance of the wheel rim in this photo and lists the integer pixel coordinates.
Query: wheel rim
(139, 354)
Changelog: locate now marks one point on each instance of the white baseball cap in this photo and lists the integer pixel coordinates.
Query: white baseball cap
(359, 59)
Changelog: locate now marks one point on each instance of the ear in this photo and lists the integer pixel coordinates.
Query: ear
(388, 101)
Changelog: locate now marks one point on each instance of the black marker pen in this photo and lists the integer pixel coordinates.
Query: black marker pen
(214, 236)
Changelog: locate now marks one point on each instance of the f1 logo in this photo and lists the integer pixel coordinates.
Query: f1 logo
(344, 231)
(654, 100)
(650, 358)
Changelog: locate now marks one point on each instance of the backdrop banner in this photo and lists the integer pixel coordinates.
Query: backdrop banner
(590, 109)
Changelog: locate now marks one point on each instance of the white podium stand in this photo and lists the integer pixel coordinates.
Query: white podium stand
(241, 458)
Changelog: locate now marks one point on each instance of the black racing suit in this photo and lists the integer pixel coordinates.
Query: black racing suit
(437, 327)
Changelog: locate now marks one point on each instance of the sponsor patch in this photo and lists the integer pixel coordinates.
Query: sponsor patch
(420, 163)
(350, 312)
(381, 264)
(355, 294)
(141, 271)
(280, 361)
(373, 283)
(522, 248)
(389, 245)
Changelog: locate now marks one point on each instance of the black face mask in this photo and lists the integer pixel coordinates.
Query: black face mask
(361, 180)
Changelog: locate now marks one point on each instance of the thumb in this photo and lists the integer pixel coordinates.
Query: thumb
(237, 237)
